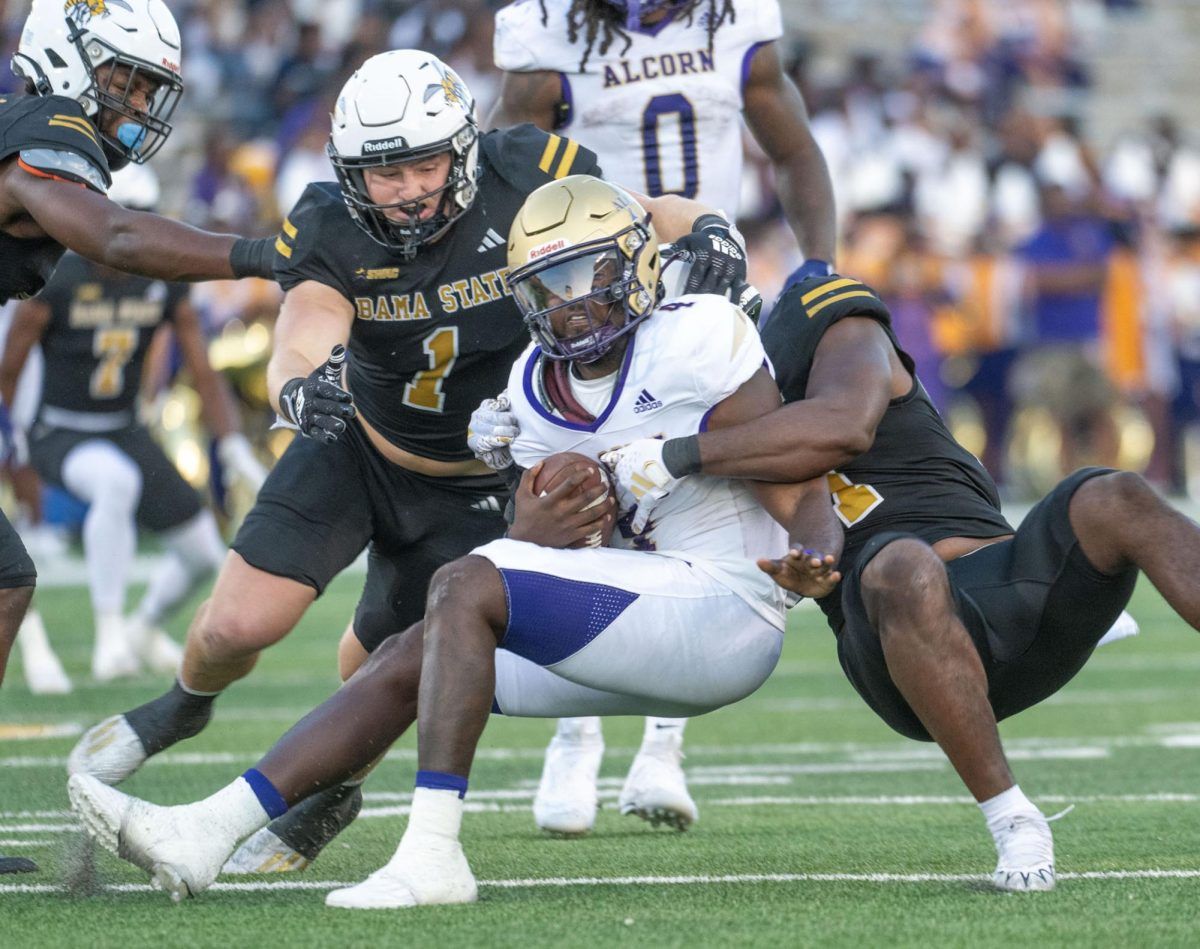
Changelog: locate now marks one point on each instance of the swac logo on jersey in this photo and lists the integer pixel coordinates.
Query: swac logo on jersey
(384, 145)
(378, 273)
(645, 402)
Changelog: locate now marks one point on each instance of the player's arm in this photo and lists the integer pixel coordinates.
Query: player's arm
(28, 326)
(854, 376)
(87, 222)
(314, 319)
(775, 113)
(534, 97)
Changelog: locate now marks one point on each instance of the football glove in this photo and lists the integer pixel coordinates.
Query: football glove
(641, 476)
(491, 431)
(316, 404)
(718, 261)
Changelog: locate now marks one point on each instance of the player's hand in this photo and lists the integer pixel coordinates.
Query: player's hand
(718, 262)
(806, 572)
(491, 431)
(316, 404)
(641, 477)
(240, 463)
(562, 516)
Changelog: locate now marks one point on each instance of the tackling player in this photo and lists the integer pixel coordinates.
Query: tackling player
(679, 622)
(95, 326)
(987, 635)
(658, 90)
(404, 260)
(102, 80)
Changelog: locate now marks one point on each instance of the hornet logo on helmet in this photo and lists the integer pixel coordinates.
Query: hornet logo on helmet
(83, 11)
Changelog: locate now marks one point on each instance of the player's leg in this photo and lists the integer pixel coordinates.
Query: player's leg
(194, 550)
(17, 578)
(100, 473)
(184, 847)
(311, 519)
(44, 673)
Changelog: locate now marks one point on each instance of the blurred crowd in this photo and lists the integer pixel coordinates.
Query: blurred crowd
(1048, 286)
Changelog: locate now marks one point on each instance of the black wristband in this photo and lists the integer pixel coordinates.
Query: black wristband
(253, 257)
(681, 456)
(705, 221)
(287, 401)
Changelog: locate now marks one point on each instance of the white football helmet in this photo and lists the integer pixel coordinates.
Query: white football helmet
(401, 106)
(63, 44)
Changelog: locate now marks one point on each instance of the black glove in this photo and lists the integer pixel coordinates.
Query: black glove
(718, 261)
(253, 257)
(316, 404)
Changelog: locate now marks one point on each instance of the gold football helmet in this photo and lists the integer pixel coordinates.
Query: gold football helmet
(582, 248)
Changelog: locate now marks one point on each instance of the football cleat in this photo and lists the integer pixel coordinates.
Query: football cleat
(655, 789)
(178, 846)
(1124, 627)
(566, 799)
(112, 657)
(291, 842)
(44, 674)
(17, 865)
(1025, 848)
(109, 752)
(426, 869)
(157, 651)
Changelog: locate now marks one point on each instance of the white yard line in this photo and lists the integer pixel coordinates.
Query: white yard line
(700, 880)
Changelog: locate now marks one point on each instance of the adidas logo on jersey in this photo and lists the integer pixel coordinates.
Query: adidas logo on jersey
(488, 505)
(490, 239)
(645, 402)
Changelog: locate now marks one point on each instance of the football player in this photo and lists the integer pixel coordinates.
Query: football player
(677, 623)
(102, 80)
(983, 636)
(658, 89)
(95, 325)
(403, 260)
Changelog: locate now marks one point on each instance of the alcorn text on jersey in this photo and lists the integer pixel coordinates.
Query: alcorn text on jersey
(691, 354)
(663, 114)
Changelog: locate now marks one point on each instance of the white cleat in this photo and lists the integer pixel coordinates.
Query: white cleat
(112, 657)
(263, 852)
(656, 791)
(566, 799)
(157, 651)
(44, 674)
(1123, 628)
(109, 752)
(182, 852)
(1026, 855)
(425, 870)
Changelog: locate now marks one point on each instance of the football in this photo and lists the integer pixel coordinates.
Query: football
(557, 467)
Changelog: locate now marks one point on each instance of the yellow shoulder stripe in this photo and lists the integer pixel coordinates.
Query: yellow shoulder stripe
(828, 288)
(548, 153)
(289, 229)
(568, 158)
(282, 247)
(838, 299)
(75, 122)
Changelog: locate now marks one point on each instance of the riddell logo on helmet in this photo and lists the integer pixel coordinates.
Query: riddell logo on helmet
(174, 67)
(549, 248)
(384, 145)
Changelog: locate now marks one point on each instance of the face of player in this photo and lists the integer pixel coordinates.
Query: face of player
(139, 97)
(399, 189)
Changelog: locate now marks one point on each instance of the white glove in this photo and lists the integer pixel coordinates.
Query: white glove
(641, 478)
(491, 430)
(239, 461)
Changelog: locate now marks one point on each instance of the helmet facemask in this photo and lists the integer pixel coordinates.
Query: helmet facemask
(142, 134)
(584, 285)
(406, 237)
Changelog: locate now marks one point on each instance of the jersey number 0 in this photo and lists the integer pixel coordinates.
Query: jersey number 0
(656, 109)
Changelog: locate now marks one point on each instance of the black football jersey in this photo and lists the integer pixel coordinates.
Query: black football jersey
(915, 477)
(435, 335)
(100, 327)
(41, 122)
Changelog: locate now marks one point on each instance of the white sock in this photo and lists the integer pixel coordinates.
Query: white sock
(999, 810)
(234, 811)
(437, 813)
(580, 729)
(663, 732)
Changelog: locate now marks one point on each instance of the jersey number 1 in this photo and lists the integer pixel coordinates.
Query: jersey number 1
(655, 110)
(425, 390)
(113, 347)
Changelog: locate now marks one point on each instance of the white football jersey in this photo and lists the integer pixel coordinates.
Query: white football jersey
(664, 115)
(691, 354)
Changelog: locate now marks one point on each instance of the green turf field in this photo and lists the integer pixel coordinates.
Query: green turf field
(818, 826)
